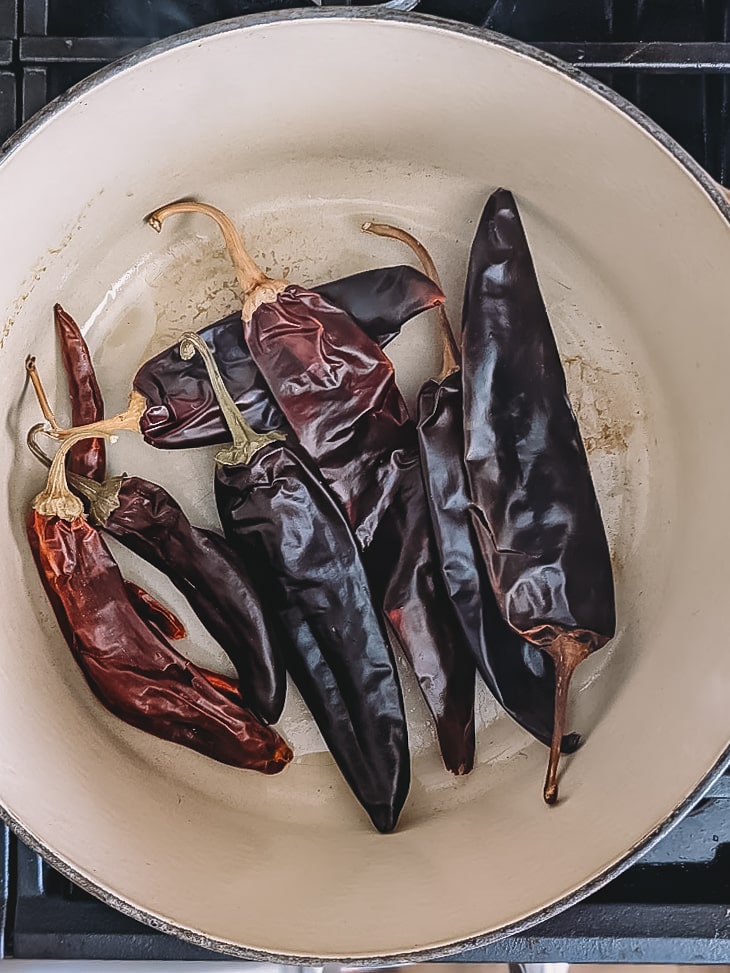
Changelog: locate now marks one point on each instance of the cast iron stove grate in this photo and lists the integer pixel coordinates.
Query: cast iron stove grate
(672, 59)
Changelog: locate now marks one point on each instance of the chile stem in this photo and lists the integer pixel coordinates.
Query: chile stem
(32, 370)
(127, 420)
(567, 653)
(449, 348)
(103, 497)
(256, 286)
(56, 500)
(246, 442)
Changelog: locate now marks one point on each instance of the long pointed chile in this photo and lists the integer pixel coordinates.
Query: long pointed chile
(520, 676)
(535, 509)
(337, 390)
(274, 508)
(88, 457)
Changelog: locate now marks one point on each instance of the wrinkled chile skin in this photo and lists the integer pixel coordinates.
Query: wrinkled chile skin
(402, 566)
(215, 582)
(520, 676)
(86, 458)
(164, 621)
(131, 669)
(182, 409)
(338, 391)
(281, 518)
(535, 508)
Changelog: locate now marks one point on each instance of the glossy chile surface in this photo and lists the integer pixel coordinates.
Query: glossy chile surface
(202, 565)
(337, 390)
(280, 516)
(147, 519)
(163, 621)
(519, 675)
(182, 410)
(88, 457)
(130, 667)
(534, 506)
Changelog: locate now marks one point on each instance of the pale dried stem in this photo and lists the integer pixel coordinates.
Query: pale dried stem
(256, 286)
(567, 654)
(246, 441)
(450, 350)
(56, 500)
(32, 370)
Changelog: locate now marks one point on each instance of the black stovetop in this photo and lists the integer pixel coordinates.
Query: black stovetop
(672, 59)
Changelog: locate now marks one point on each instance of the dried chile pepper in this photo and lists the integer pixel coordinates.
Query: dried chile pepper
(181, 408)
(519, 675)
(88, 458)
(535, 509)
(337, 390)
(200, 563)
(335, 387)
(311, 577)
(132, 670)
(280, 516)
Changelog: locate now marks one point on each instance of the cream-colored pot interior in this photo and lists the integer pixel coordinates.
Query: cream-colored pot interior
(303, 128)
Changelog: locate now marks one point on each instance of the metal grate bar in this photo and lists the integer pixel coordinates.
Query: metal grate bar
(35, 16)
(8, 106)
(8, 18)
(622, 934)
(34, 91)
(52, 50)
(4, 879)
(708, 57)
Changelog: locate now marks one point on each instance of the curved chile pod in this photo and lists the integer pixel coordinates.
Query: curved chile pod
(520, 676)
(535, 509)
(87, 458)
(182, 410)
(135, 673)
(283, 519)
(214, 580)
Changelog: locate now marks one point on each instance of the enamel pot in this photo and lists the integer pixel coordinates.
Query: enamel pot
(303, 125)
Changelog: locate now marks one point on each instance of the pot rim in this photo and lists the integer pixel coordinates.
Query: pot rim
(693, 169)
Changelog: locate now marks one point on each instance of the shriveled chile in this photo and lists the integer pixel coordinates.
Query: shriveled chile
(337, 390)
(202, 565)
(274, 508)
(535, 509)
(147, 519)
(88, 457)
(520, 676)
(129, 666)
(182, 410)
(312, 577)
